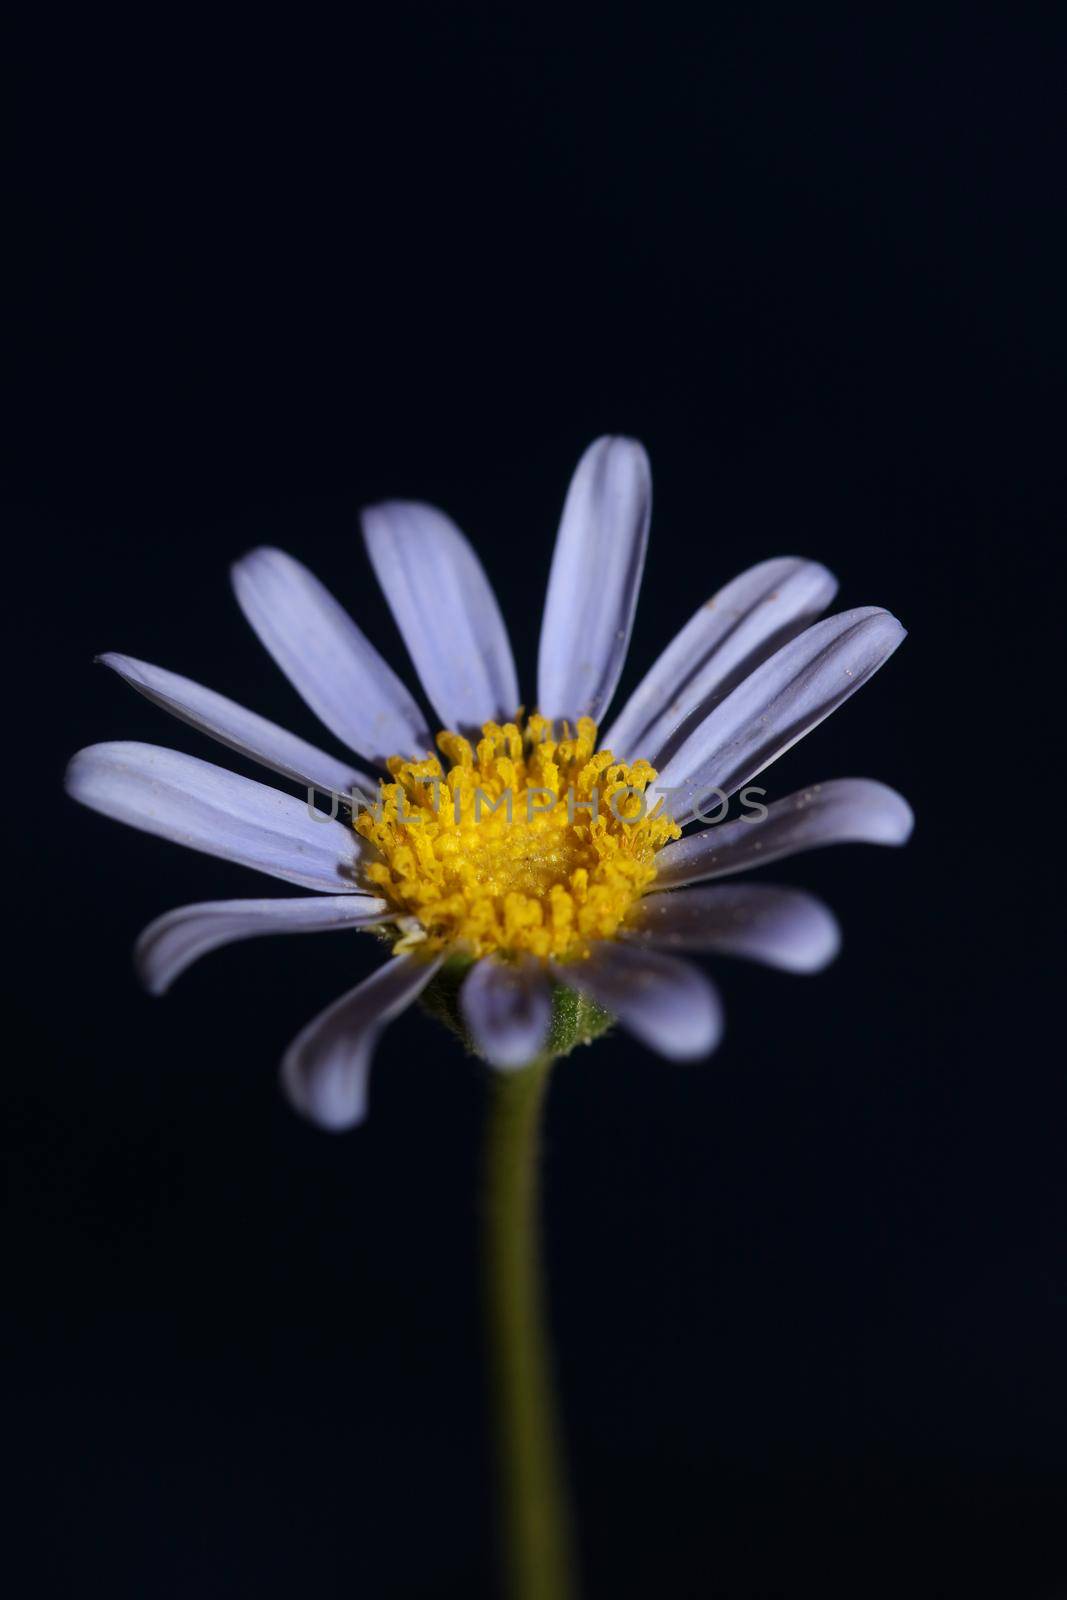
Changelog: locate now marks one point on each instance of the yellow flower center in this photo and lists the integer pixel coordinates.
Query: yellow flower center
(523, 843)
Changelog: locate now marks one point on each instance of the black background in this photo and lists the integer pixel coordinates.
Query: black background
(810, 1297)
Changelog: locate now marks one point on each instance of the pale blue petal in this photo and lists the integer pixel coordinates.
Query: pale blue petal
(327, 659)
(326, 1068)
(244, 731)
(170, 944)
(594, 581)
(778, 704)
(843, 811)
(727, 638)
(204, 807)
(508, 1008)
(446, 611)
(783, 928)
(666, 1003)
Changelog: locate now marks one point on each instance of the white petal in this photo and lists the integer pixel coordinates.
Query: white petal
(777, 705)
(327, 659)
(243, 731)
(666, 1003)
(843, 811)
(593, 584)
(508, 1009)
(174, 941)
(446, 612)
(202, 806)
(726, 639)
(324, 1071)
(781, 927)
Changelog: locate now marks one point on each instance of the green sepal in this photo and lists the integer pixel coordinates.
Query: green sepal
(575, 1018)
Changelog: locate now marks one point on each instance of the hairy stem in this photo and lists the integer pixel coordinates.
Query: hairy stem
(537, 1539)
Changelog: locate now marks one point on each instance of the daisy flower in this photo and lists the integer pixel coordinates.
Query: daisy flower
(531, 879)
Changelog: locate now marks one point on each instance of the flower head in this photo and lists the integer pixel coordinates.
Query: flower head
(525, 874)
(524, 844)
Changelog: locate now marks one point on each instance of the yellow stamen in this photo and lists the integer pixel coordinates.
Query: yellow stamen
(521, 844)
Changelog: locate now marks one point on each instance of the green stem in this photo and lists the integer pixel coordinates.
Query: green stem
(539, 1564)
